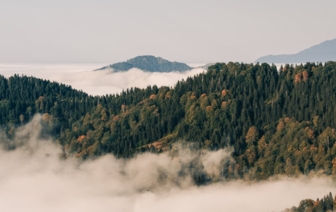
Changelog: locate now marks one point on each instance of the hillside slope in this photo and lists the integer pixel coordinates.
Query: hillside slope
(277, 122)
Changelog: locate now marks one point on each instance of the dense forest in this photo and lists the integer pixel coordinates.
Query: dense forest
(325, 204)
(277, 121)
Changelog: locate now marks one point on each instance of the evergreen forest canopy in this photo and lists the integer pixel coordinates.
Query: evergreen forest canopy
(278, 122)
(325, 204)
(148, 63)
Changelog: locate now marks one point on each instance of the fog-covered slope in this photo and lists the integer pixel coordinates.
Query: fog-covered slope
(276, 121)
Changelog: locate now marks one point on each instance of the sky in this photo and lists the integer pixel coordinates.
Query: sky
(191, 31)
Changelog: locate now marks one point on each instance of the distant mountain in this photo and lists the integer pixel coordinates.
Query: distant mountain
(322, 52)
(148, 63)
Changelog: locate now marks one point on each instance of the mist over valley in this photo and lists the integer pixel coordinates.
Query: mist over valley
(34, 177)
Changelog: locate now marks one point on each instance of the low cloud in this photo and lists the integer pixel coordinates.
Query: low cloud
(34, 178)
(82, 77)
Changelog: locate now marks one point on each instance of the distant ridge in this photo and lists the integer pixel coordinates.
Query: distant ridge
(148, 63)
(323, 52)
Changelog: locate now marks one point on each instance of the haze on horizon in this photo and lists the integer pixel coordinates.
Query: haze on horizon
(188, 31)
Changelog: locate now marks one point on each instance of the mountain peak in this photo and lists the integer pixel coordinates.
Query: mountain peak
(148, 63)
(323, 52)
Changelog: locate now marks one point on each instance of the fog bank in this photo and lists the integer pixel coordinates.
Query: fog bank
(34, 178)
(82, 76)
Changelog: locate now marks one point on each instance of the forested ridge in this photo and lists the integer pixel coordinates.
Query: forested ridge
(278, 121)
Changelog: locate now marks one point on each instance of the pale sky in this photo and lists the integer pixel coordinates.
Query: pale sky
(108, 31)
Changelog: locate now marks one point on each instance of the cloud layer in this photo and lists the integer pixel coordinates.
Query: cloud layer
(34, 178)
(81, 76)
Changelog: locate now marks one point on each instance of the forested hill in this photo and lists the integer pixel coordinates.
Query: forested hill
(148, 63)
(279, 122)
(325, 204)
